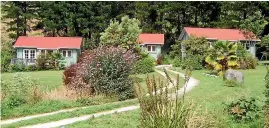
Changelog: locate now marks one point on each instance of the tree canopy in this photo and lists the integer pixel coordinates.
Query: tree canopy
(90, 18)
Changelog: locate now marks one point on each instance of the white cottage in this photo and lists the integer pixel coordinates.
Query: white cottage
(214, 34)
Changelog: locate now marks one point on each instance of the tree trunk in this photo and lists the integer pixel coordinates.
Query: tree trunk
(25, 20)
(196, 17)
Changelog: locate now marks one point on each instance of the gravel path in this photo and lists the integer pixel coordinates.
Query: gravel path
(187, 87)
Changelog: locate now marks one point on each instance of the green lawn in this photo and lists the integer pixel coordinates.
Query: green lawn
(48, 80)
(121, 120)
(211, 94)
(143, 77)
(76, 113)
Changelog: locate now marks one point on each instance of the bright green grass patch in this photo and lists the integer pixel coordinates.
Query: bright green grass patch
(211, 94)
(143, 77)
(121, 120)
(76, 113)
(40, 107)
(48, 80)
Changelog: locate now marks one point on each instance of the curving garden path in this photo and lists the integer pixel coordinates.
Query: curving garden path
(186, 88)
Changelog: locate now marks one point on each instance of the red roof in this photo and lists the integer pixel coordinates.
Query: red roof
(48, 42)
(216, 33)
(151, 38)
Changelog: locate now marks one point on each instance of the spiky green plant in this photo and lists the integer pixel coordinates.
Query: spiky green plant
(162, 107)
(222, 56)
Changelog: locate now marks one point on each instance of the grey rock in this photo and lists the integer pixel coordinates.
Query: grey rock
(235, 75)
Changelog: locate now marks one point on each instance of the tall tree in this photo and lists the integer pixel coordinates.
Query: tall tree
(18, 16)
(124, 34)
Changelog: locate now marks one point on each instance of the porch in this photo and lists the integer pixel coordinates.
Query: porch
(23, 61)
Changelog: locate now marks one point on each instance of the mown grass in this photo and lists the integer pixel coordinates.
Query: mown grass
(48, 80)
(76, 113)
(45, 106)
(211, 94)
(142, 78)
(121, 120)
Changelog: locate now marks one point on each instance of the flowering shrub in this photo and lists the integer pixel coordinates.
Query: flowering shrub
(104, 70)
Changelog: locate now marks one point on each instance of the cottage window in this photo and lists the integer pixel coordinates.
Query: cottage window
(29, 53)
(151, 48)
(67, 53)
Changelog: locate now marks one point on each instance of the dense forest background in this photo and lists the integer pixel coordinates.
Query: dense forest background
(89, 19)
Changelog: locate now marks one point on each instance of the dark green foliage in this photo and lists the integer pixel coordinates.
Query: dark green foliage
(88, 19)
(31, 68)
(176, 50)
(177, 62)
(21, 12)
(195, 50)
(196, 46)
(266, 92)
(243, 109)
(17, 67)
(265, 41)
(194, 61)
(246, 60)
(163, 59)
(144, 65)
(7, 53)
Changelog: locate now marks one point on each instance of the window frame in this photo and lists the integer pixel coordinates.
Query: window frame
(66, 55)
(151, 48)
(29, 53)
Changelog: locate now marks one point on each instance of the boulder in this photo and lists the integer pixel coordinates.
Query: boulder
(235, 75)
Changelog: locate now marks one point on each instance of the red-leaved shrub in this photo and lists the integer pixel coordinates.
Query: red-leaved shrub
(105, 70)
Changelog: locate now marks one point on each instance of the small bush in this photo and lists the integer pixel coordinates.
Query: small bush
(144, 65)
(41, 62)
(17, 67)
(194, 61)
(69, 74)
(243, 109)
(13, 101)
(177, 62)
(248, 62)
(31, 68)
(106, 70)
(231, 83)
(20, 90)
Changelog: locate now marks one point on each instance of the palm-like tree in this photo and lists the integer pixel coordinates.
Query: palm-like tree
(222, 56)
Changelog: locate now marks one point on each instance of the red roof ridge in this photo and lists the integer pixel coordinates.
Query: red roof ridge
(48, 42)
(151, 38)
(213, 28)
(219, 33)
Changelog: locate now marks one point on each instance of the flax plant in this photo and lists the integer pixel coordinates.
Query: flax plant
(161, 109)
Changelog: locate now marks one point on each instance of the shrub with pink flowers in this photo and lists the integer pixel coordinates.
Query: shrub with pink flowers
(105, 70)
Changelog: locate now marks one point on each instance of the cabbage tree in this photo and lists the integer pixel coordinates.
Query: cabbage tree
(222, 56)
